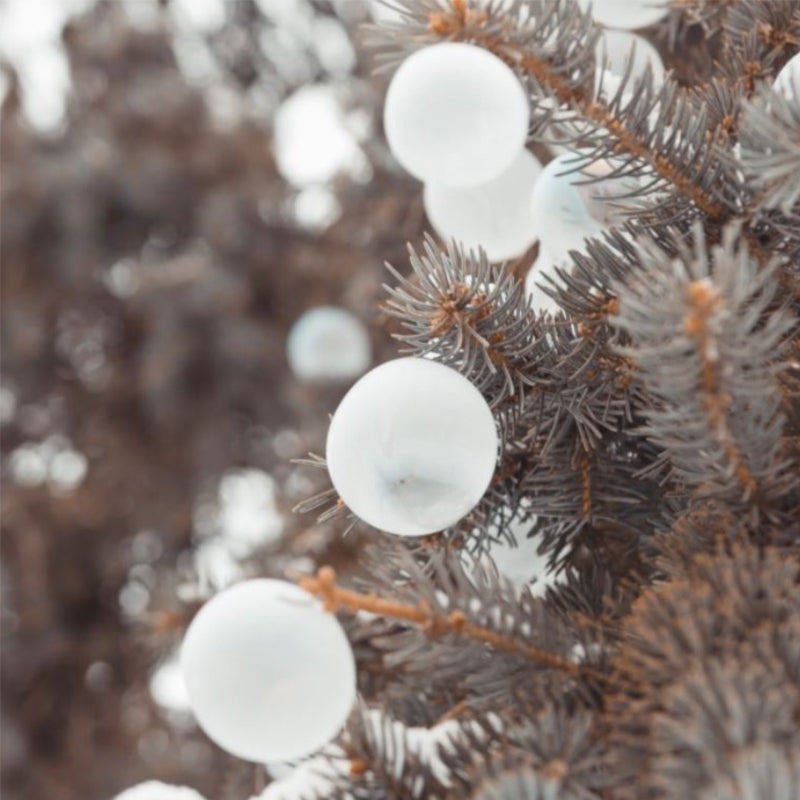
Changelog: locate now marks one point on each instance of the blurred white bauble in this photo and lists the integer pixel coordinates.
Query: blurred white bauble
(328, 344)
(561, 218)
(412, 447)
(521, 563)
(787, 81)
(155, 790)
(626, 14)
(383, 13)
(613, 50)
(456, 115)
(270, 674)
(495, 216)
(545, 265)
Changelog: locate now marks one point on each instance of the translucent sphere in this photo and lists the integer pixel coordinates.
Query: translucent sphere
(270, 674)
(545, 265)
(455, 115)
(328, 344)
(627, 14)
(495, 215)
(613, 50)
(561, 217)
(412, 447)
(787, 81)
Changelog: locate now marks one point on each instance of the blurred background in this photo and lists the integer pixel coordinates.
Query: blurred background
(181, 181)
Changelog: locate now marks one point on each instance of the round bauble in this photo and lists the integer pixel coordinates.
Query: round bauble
(545, 265)
(328, 344)
(561, 217)
(626, 14)
(495, 216)
(155, 790)
(270, 674)
(412, 447)
(787, 82)
(520, 562)
(455, 115)
(614, 48)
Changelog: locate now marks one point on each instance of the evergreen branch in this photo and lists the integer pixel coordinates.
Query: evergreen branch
(323, 585)
(707, 345)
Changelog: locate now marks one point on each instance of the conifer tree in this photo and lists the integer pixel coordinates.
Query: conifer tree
(630, 415)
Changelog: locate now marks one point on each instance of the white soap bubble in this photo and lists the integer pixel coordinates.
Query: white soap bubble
(455, 115)
(787, 82)
(155, 790)
(328, 344)
(545, 265)
(495, 215)
(270, 674)
(613, 50)
(412, 447)
(627, 14)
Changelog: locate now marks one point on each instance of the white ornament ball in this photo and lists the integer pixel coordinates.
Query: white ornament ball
(328, 344)
(521, 563)
(626, 14)
(787, 82)
(455, 115)
(412, 447)
(155, 790)
(545, 265)
(270, 674)
(495, 216)
(614, 48)
(562, 220)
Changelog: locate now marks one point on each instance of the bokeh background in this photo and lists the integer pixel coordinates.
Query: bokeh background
(180, 181)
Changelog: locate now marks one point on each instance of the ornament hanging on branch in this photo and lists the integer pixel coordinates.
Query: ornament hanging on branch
(270, 673)
(495, 216)
(455, 115)
(412, 447)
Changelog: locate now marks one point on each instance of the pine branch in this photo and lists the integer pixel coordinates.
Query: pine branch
(708, 347)
(324, 586)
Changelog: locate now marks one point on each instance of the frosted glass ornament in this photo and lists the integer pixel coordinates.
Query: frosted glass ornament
(270, 674)
(495, 216)
(328, 344)
(787, 82)
(155, 790)
(626, 14)
(521, 563)
(455, 115)
(545, 265)
(613, 50)
(561, 218)
(567, 210)
(412, 447)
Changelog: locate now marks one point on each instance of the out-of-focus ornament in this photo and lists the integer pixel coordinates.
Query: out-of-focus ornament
(626, 14)
(270, 673)
(568, 206)
(614, 48)
(412, 447)
(155, 790)
(328, 344)
(495, 216)
(544, 266)
(787, 82)
(455, 115)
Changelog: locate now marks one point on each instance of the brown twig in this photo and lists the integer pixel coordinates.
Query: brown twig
(704, 302)
(323, 585)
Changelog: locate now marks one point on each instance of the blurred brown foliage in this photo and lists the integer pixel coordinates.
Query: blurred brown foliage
(150, 274)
